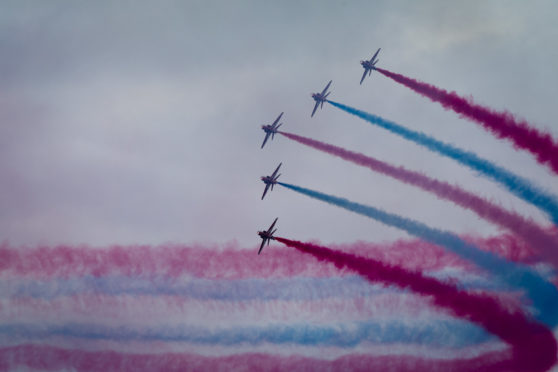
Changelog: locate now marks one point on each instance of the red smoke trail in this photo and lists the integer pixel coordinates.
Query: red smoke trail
(501, 124)
(49, 358)
(533, 345)
(230, 261)
(543, 243)
(217, 262)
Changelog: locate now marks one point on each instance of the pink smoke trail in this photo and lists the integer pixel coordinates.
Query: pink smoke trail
(501, 124)
(230, 262)
(537, 238)
(534, 347)
(49, 358)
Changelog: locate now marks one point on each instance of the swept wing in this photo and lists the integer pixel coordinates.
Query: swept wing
(325, 89)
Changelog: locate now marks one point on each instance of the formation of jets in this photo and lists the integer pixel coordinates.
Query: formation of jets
(267, 235)
(271, 180)
(320, 98)
(369, 65)
(270, 130)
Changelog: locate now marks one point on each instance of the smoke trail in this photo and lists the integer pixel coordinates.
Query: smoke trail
(49, 358)
(383, 304)
(543, 293)
(296, 288)
(345, 335)
(202, 289)
(519, 186)
(501, 124)
(225, 262)
(513, 328)
(535, 236)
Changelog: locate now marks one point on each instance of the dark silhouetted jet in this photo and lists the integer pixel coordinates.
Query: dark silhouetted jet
(267, 235)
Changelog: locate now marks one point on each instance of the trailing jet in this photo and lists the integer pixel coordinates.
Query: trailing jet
(369, 65)
(271, 180)
(320, 98)
(271, 129)
(267, 235)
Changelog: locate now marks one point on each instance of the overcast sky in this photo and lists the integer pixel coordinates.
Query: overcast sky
(139, 121)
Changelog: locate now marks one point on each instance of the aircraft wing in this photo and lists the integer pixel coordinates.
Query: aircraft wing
(261, 246)
(375, 54)
(277, 120)
(273, 224)
(265, 139)
(327, 86)
(276, 170)
(315, 108)
(265, 191)
(363, 76)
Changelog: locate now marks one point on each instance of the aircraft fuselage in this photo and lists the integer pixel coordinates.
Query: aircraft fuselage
(268, 180)
(269, 129)
(264, 235)
(367, 65)
(318, 97)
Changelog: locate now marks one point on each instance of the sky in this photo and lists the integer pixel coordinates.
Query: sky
(139, 123)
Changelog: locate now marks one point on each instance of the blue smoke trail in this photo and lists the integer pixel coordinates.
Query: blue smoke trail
(543, 293)
(454, 333)
(297, 288)
(517, 185)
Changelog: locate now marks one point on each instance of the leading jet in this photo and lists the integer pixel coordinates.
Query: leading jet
(320, 98)
(369, 65)
(271, 180)
(271, 129)
(267, 235)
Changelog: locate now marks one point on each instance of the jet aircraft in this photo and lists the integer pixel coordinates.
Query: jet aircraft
(267, 235)
(320, 98)
(271, 180)
(271, 129)
(369, 65)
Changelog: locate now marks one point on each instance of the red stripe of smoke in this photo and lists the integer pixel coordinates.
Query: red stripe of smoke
(49, 358)
(230, 261)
